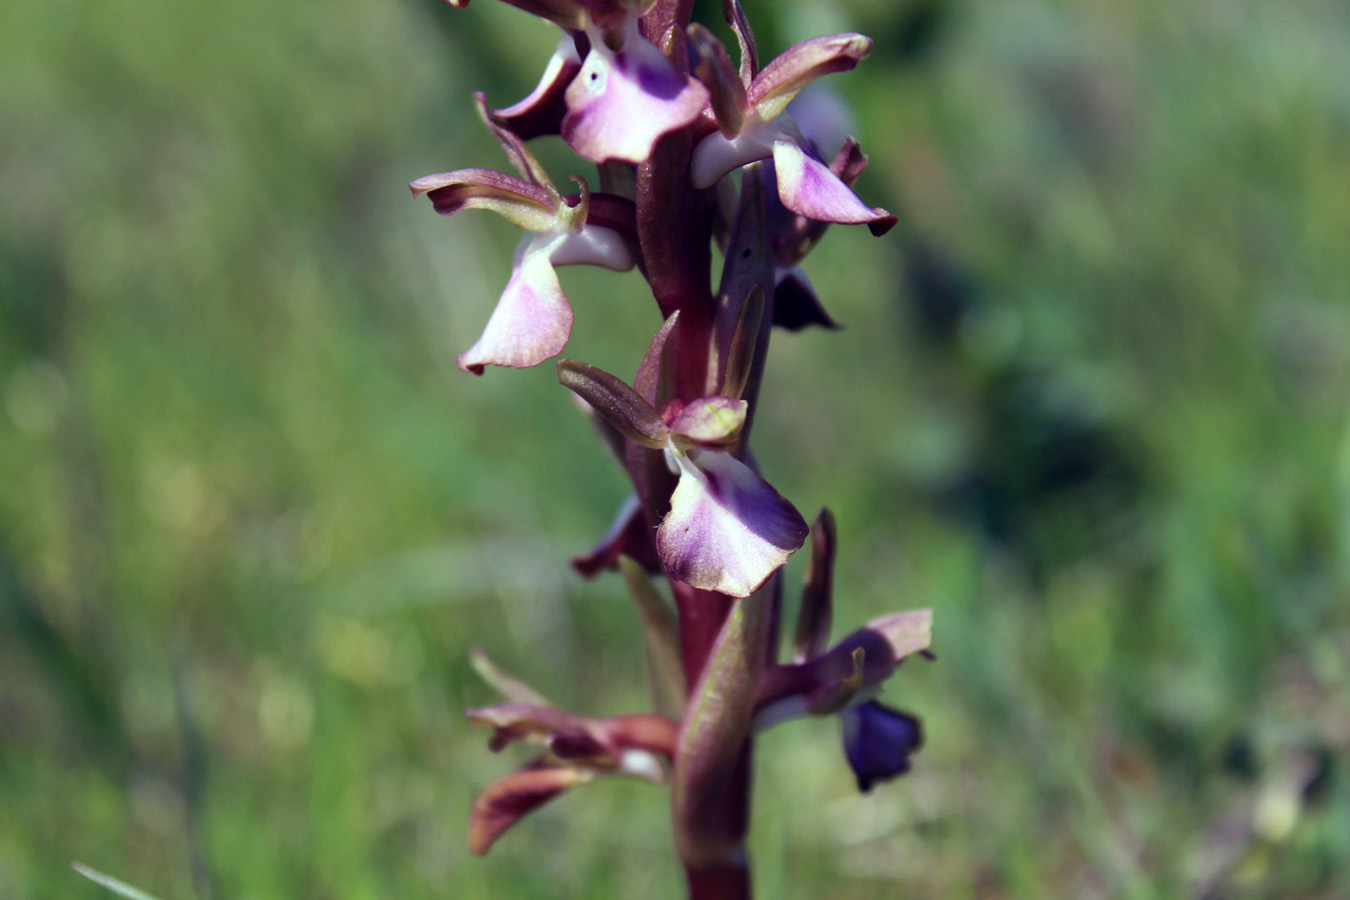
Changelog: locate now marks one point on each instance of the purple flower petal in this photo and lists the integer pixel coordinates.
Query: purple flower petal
(795, 303)
(620, 104)
(808, 187)
(629, 535)
(878, 742)
(532, 320)
(727, 530)
(542, 111)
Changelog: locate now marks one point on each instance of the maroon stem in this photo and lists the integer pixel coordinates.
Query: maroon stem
(727, 882)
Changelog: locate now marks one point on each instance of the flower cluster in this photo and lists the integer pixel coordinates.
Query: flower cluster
(693, 152)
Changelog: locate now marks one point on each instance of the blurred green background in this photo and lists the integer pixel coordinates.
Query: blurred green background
(1090, 405)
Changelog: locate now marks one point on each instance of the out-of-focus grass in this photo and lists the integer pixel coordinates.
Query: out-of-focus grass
(1089, 406)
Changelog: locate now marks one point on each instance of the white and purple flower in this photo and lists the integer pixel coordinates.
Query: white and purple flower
(533, 320)
(727, 529)
(753, 125)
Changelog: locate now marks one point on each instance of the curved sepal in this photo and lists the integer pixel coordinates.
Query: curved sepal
(510, 799)
(514, 199)
(799, 65)
(808, 187)
(542, 111)
(628, 537)
(620, 405)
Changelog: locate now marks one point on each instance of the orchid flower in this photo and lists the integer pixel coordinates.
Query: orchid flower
(576, 750)
(844, 680)
(754, 125)
(727, 529)
(622, 94)
(533, 319)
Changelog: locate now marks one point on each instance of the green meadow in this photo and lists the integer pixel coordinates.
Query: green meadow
(1089, 403)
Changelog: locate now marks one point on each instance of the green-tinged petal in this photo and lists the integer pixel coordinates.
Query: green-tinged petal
(799, 65)
(514, 199)
(712, 422)
(620, 405)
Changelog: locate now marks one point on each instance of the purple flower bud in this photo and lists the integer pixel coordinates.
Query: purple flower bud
(878, 742)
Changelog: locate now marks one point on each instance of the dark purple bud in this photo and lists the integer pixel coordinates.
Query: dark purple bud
(879, 741)
(795, 303)
(736, 18)
(630, 536)
(813, 622)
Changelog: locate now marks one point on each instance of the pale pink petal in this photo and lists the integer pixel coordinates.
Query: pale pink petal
(620, 104)
(532, 320)
(716, 154)
(808, 187)
(727, 530)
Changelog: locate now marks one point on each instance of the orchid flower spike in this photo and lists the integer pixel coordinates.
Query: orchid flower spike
(533, 320)
(753, 125)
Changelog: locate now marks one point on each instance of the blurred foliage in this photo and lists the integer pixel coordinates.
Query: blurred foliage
(1089, 405)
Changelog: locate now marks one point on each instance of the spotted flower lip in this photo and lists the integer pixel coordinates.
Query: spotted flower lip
(627, 96)
(610, 92)
(806, 185)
